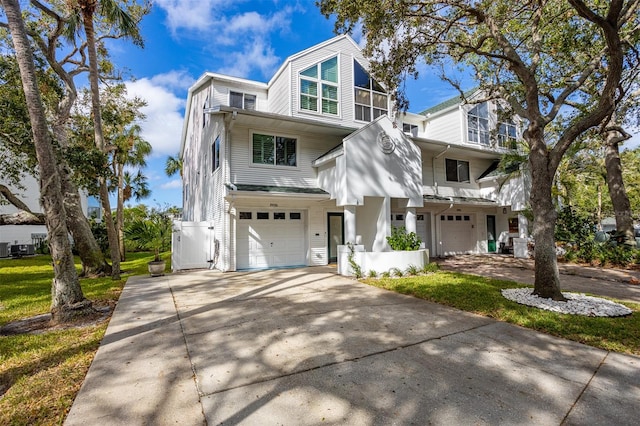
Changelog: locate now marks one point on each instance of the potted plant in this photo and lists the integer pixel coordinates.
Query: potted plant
(152, 233)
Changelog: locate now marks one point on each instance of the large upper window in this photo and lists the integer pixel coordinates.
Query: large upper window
(371, 101)
(242, 100)
(456, 170)
(478, 124)
(274, 150)
(319, 87)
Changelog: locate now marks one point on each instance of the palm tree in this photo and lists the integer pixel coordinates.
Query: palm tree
(67, 297)
(151, 233)
(173, 165)
(110, 11)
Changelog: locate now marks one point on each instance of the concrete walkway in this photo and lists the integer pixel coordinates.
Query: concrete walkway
(307, 347)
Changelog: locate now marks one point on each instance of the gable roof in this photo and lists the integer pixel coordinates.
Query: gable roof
(318, 46)
(449, 103)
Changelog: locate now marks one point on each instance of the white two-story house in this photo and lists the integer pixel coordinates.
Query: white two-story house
(281, 173)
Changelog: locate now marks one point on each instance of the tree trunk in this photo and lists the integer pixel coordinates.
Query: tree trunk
(547, 277)
(88, 8)
(120, 211)
(66, 293)
(617, 191)
(93, 260)
(111, 230)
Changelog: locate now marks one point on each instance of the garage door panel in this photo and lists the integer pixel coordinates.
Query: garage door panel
(264, 243)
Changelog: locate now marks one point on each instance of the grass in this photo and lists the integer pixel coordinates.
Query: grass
(482, 296)
(40, 374)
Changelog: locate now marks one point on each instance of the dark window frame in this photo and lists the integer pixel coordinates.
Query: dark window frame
(453, 169)
(273, 150)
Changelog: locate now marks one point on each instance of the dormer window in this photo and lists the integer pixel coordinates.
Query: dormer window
(478, 124)
(319, 87)
(242, 100)
(371, 101)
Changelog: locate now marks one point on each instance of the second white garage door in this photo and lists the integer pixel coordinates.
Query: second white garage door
(269, 239)
(458, 233)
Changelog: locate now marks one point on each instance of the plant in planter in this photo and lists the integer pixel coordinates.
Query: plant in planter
(402, 240)
(152, 233)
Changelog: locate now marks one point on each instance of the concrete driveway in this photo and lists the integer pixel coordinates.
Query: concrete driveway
(305, 346)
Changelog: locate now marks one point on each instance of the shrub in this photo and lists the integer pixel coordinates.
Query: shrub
(413, 270)
(372, 274)
(572, 227)
(401, 240)
(397, 272)
(430, 268)
(386, 274)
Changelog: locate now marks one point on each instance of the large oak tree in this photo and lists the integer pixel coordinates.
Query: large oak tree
(538, 55)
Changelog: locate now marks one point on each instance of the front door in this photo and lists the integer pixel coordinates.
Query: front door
(491, 233)
(335, 232)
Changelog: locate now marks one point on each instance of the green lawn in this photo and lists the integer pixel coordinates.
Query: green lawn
(40, 374)
(482, 296)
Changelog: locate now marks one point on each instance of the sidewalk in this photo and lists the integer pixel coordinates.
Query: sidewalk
(308, 347)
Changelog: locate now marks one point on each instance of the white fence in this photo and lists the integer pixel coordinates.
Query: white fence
(192, 246)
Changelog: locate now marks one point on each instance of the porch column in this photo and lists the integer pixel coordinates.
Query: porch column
(410, 220)
(350, 224)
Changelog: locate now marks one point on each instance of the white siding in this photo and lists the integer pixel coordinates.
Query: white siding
(280, 94)
(455, 189)
(309, 147)
(446, 127)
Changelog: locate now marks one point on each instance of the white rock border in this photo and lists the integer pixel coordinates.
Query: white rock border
(577, 303)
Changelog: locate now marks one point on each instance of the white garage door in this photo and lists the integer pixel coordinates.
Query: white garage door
(268, 239)
(458, 233)
(423, 226)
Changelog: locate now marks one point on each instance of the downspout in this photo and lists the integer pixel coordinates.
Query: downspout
(433, 168)
(438, 239)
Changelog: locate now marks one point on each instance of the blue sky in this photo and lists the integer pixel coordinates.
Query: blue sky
(242, 38)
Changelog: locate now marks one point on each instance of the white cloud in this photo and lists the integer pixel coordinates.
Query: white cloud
(242, 41)
(190, 14)
(172, 184)
(254, 55)
(164, 111)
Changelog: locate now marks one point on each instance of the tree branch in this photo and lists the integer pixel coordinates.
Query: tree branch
(13, 199)
(22, 218)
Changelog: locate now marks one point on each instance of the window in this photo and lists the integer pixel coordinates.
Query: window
(478, 124)
(457, 171)
(370, 98)
(215, 154)
(245, 215)
(412, 129)
(279, 216)
(242, 101)
(319, 87)
(204, 113)
(263, 215)
(295, 216)
(507, 134)
(274, 150)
